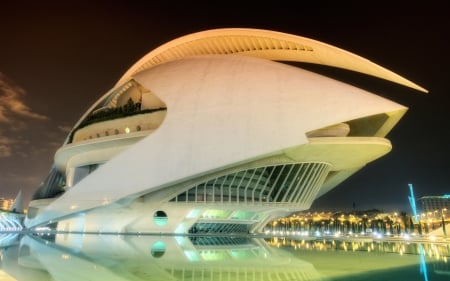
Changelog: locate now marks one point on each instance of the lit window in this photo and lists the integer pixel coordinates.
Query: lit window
(160, 218)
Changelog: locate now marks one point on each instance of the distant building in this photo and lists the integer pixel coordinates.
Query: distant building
(433, 203)
(6, 204)
(12, 205)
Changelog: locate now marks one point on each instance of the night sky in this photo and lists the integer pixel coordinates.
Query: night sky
(57, 58)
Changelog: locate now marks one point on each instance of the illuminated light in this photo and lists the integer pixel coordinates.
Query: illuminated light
(65, 256)
(193, 214)
(180, 240)
(42, 228)
(160, 218)
(73, 207)
(243, 215)
(217, 214)
(213, 255)
(127, 130)
(412, 202)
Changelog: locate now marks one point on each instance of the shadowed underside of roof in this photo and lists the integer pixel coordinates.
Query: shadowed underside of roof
(265, 44)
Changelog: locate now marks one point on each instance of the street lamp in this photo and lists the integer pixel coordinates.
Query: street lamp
(443, 222)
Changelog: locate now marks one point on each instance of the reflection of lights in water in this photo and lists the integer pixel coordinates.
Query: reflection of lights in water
(65, 256)
(117, 257)
(423, 265)
(438, 251)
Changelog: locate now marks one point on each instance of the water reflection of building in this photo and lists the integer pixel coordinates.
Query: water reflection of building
(211, 132)
(438, 251)
(8, 239)
(429, 256)
(107, 257)
(199, 258)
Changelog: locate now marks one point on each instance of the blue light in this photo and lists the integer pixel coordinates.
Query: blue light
(423, 265)
(412, 202)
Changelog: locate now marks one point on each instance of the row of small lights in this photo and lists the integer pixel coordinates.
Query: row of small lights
(432, 251)
(376, 235)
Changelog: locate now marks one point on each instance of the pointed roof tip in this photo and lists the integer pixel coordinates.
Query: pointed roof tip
(17, 206)
(417, 87)
(426, 91)
(268, 44)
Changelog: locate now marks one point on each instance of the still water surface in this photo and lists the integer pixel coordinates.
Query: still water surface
(158, 257)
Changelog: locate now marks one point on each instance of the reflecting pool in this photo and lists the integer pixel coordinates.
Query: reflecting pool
(65, 256)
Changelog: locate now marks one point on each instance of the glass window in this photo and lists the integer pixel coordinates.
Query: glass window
(160, 218)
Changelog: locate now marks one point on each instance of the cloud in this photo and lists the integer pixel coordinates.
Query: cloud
(5, 146)
(5, 151)
(11, 103)
(14, 116)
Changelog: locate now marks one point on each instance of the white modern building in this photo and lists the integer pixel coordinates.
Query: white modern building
(213, 133)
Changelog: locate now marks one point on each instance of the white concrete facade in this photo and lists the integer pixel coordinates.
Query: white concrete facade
(238, 139)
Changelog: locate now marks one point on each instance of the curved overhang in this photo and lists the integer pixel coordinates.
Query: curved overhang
(328, 150)
(94, 151)
(272, 45)
(213, 124)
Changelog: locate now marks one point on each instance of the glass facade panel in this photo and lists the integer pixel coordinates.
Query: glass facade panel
(288, 183)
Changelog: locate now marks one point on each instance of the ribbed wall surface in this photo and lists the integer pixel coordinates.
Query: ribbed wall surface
(10, 221)
(293, 184)
(224, 45)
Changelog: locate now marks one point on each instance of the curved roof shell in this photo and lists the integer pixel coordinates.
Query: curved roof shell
(265, 44)
(221, 111)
